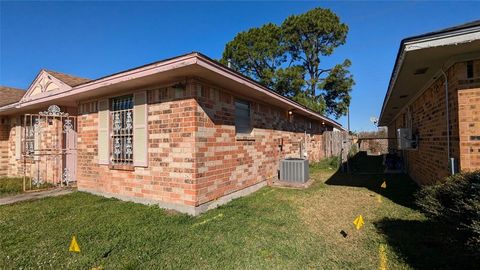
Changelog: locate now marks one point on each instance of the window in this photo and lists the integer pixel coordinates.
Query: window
(469, 69)
(121, 118)
(31, 125)
(242, 117)
(29, 140)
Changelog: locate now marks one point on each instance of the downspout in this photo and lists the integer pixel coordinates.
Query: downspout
(449, 162)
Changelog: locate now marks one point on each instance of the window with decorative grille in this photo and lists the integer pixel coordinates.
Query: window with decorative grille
(32, 126)
(121, 119)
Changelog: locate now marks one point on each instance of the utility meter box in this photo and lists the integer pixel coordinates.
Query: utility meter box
(405, 139)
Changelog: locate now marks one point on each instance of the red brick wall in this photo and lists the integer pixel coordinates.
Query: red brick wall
(194, 154)
(169, 175)
(227, 162)
(426, 115)
(469, 123)
(4, 135)
(14, 165)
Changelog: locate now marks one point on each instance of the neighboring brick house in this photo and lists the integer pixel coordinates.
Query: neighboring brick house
(186, 133)
(8, 95)
(443, 117)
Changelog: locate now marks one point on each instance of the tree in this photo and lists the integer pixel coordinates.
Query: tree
(257, 53)
(310, 36)
(287, 59)
(289, 81)
(337, 87)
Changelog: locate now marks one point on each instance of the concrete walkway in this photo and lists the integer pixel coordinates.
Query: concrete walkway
(35, 195)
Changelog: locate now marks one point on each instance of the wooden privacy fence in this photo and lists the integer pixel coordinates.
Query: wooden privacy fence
(374, 142)
(373, 146)
(336, 144)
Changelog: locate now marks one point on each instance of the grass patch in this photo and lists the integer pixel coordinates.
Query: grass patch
(328, 165)
(274, 228)
(10, 186)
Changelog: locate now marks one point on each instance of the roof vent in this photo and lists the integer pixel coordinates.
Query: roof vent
(403, 96)
(420, 71)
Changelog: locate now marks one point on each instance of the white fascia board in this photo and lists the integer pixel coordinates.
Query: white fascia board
(444, 40)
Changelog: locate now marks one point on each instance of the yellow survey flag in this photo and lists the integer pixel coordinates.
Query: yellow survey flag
(74, 245)
(358, 222)
(384, 184)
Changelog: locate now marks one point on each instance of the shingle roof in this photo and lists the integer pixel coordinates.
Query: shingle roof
(68, 79)
(9, 95)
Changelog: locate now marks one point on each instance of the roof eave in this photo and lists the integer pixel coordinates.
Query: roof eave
(169, 64)
(429, 40)
(208, 62)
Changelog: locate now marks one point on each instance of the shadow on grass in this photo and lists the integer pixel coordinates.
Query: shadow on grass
(423, 244)
(426, 245)
(367, 172)
(362, 163)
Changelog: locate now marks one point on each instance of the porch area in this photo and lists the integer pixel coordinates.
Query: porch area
(40, 148)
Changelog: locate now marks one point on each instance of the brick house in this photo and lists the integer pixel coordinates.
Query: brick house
(8, 95)
(186, 133)
(434, 93)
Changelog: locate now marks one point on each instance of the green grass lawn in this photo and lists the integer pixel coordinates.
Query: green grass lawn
(10, 186)
(14, 185)
(274, 228)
